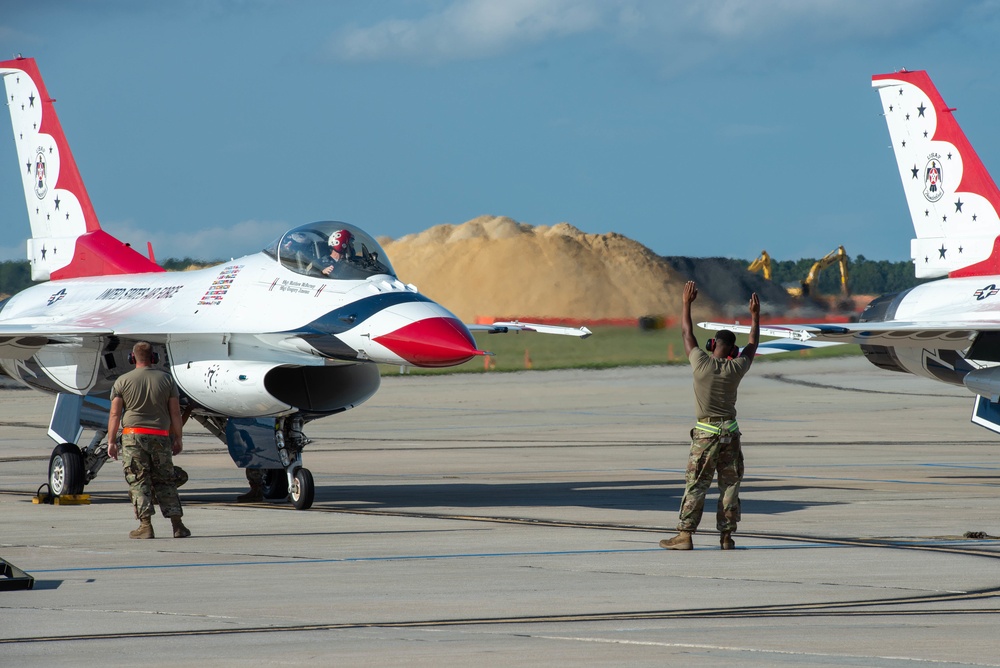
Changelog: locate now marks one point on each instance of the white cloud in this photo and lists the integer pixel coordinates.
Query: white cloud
(212, 243)
(469, 29)
(677, 33)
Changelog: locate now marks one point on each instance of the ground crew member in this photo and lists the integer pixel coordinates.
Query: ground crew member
(715, 439)
(145, 405)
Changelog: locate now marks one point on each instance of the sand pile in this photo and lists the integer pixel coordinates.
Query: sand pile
(495, 266)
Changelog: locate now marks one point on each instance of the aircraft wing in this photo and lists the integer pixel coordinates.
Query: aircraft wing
(928, 334)
(515, 326)
(44, 331)
(22, 341)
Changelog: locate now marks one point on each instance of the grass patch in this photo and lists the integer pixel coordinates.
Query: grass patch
(608, 347)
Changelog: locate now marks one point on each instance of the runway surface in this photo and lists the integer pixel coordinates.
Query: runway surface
(514, 519)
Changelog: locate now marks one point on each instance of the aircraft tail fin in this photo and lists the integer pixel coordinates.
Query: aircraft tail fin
(66, 238)
(953, 200)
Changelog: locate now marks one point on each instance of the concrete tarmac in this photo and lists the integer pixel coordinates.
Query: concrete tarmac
(514, 519)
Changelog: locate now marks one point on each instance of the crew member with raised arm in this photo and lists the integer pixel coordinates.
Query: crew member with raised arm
(715, 439)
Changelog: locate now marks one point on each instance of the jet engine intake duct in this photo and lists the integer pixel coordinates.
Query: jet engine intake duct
(323, 389)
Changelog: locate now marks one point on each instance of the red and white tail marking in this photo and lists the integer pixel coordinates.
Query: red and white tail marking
(953, 201)
(66, 238)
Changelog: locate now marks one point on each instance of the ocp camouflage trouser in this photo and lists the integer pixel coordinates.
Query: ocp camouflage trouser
(149, 468)
(710, 454)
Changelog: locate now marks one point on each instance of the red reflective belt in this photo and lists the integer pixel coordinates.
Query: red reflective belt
(145, 430)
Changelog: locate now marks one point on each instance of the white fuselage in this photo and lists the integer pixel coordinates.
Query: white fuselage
(233, 323)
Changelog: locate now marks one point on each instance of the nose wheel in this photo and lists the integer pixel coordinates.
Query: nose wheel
(302, 490)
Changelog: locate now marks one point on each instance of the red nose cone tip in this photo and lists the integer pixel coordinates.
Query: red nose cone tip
(433, 342)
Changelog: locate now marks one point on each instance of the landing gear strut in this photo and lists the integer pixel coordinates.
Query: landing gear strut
(290, 441)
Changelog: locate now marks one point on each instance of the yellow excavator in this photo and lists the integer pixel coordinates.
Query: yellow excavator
(839, 256)
(762, 264)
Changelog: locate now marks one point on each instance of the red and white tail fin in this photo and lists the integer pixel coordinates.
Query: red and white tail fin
(66, 239)
(953, 200)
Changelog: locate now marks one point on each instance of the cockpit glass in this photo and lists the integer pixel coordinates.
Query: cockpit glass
(331, 250)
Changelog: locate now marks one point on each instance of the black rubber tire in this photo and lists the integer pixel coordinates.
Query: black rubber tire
(303, 491)
(66, 474)
(275, 484)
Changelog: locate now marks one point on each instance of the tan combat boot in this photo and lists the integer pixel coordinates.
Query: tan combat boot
(145, 529)
(180, 531)
(726, 541)
(682, 541)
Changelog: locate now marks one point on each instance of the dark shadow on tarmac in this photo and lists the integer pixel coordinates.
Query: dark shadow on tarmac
(625, 495)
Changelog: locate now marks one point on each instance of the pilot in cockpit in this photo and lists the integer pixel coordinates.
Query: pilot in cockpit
(340, 247)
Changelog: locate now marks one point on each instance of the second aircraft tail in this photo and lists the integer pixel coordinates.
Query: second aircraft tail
(953, 200)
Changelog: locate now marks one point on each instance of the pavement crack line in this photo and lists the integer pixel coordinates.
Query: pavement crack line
(782, 378)
(855, 608)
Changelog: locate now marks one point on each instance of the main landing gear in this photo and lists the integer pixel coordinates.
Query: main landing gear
(300, 490)
(273, 445)
(290, 440)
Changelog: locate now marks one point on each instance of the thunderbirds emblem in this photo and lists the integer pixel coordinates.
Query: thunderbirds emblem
(41, 181)
(933, 178)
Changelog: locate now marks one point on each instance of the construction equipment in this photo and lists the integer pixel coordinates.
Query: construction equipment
(762, 264)
(840, 257)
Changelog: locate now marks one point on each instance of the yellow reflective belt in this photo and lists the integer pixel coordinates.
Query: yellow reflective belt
(728, 427)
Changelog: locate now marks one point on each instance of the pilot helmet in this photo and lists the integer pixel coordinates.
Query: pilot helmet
(340, 240)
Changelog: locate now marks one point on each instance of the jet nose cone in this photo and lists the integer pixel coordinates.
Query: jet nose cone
(432, 342)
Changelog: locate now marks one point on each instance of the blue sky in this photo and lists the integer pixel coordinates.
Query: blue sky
(702, 128)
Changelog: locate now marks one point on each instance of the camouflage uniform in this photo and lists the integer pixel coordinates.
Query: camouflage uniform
(147, 458)
(710, 454)
(715, 441)
(149, 471)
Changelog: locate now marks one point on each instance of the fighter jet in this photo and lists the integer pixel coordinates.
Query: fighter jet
(259, 346)
(949, 329)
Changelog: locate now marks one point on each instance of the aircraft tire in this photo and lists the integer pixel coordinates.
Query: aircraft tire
(275, 484)
(302, 491)
(66, 475)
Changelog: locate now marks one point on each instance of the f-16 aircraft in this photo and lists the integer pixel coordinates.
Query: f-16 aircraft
(947, 330)
(259, 346)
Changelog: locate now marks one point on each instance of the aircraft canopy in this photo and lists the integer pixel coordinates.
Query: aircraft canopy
(307, 250)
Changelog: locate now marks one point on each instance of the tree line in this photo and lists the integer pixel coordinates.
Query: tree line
(865, 277)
